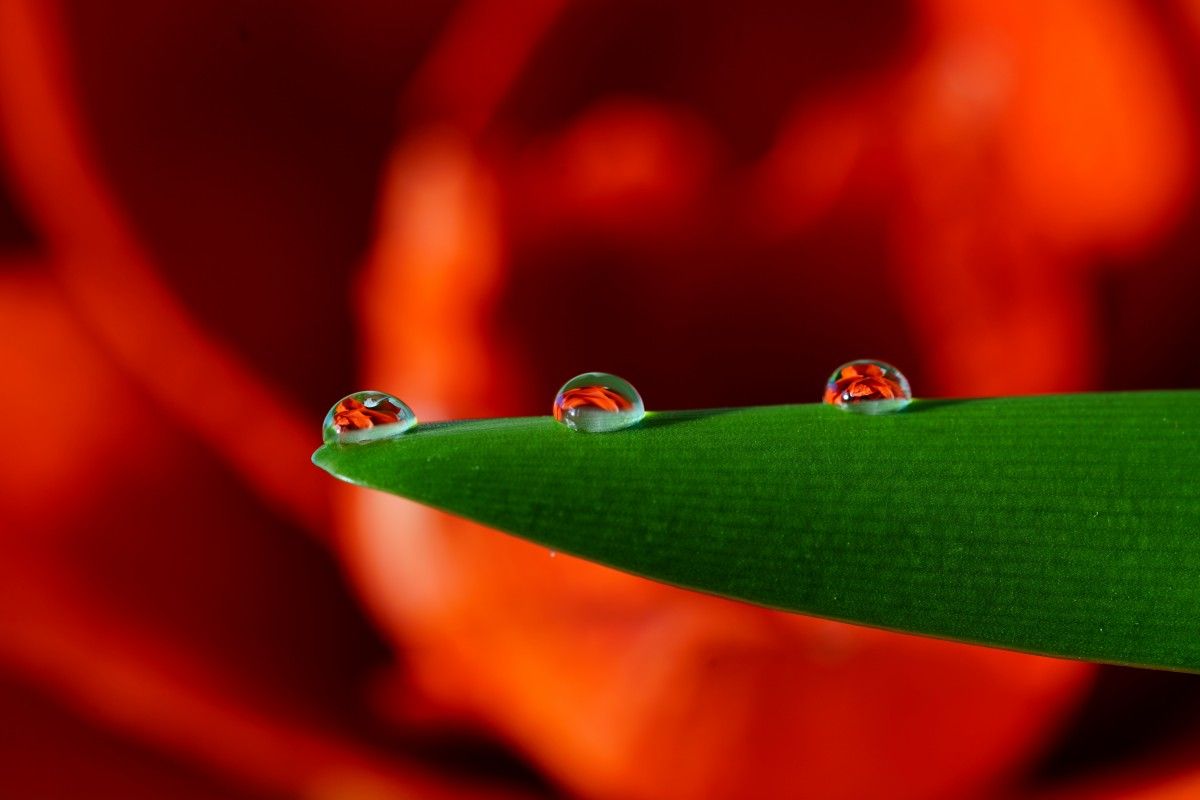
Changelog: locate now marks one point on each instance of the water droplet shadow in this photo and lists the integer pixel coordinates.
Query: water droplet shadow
(445, 426)
(664, 419)
(923, 406)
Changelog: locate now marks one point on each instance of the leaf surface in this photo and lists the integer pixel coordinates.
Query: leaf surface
(1067, 525)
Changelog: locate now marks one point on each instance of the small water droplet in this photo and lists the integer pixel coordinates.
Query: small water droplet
(868, 387)
(554, 554)
(366, 417)
(596, 402)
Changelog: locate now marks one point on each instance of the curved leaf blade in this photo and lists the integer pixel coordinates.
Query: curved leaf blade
(1066, 525)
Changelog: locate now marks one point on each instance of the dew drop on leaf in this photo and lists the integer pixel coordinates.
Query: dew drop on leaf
(366, 417)
(596, 402)
(868, 387)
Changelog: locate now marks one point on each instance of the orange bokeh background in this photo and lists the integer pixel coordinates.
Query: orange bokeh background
(216, 219)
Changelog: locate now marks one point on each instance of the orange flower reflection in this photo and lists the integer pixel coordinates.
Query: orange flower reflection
(599, 397)
(859, 382)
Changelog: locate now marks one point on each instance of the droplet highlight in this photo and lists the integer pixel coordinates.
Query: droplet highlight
(596, 402)
(868, 387)
(366, 417)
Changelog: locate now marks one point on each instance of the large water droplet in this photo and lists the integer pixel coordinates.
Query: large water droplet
(596, 402)
(366, 417)
(868, 387)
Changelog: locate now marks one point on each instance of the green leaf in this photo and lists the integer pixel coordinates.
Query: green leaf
(1067, 525)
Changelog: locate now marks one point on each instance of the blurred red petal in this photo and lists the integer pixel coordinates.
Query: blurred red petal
(615, 685)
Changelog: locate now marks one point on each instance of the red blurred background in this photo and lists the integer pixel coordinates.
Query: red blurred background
(218, 218)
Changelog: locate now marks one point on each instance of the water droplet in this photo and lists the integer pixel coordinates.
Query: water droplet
(366, 417)
(596, 402)
(868, 387)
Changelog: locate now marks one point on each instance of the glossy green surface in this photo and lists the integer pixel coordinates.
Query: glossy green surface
(1067, 525)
